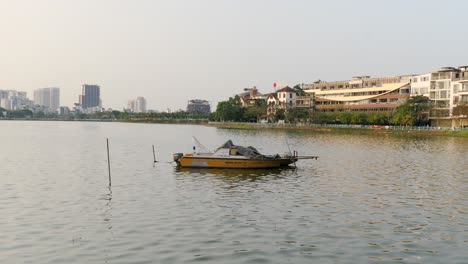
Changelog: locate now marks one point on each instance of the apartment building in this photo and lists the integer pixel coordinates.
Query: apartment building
(137, 105)
(14, 100)
(90, 97)
(446, 88)
(361, 93)
(48, 97)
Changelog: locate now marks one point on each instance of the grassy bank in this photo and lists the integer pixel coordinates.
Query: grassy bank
(346, 129)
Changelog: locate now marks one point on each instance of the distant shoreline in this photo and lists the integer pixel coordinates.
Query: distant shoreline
(349, 129)
(145, 121)
(318, 128)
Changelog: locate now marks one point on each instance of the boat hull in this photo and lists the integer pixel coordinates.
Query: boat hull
(203, 162)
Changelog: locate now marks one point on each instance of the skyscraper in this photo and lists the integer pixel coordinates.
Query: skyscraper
(137, 106)
(91, 96)
(140, 105)
(49, 97)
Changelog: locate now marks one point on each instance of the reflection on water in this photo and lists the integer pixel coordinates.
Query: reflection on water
(232, 174)
(368, 198)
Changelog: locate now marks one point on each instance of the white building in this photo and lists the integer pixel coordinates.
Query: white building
(140, 105)
(286, 96)
(446, 88)
(49, 97)
(14, 100)
(137, 106)
(420, 85)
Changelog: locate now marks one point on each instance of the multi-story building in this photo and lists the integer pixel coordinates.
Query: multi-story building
(137, 106)
(461, 96)
(130, 106)
(420, 85)
(250, 95)
(14, 100)
(446, 88)
(198, 105)
(287, 97)
(140, 105)
(90, 97)
(48, 97)
(362, 93)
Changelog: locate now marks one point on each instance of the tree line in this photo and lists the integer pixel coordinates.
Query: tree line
(105, 115)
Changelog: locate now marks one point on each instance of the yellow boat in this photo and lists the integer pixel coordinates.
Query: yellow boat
(231, 156)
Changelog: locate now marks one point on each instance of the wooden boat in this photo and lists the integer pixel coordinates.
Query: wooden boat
(232, 156)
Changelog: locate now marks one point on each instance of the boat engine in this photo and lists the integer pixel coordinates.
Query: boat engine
(177, 157)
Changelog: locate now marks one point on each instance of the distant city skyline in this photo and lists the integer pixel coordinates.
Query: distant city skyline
(174, 51)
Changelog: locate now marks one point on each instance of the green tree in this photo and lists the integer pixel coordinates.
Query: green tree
(280, 114)
(116, 114)
(346, 117)
(230, 110)
(461, 110)
(3, 112)
(297, 114)
(257, 111)
(299, 90)
(23, 113)
(410, 112)
(39, 115)
(325, 118)
(358, 118)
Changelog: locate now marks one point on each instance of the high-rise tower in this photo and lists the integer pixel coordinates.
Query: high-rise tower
(91, 96)
(49, 97)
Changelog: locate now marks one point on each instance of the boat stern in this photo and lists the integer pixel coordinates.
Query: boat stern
(177, 157)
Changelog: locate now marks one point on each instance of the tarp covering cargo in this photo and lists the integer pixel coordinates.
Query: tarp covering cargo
(249, 151)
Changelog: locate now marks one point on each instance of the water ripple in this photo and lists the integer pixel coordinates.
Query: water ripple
(367, 198)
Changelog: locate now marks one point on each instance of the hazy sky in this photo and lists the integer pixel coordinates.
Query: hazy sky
(172, 51)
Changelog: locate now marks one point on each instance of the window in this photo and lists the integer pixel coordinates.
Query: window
(441, 85)
(290, 95)
(443, 94)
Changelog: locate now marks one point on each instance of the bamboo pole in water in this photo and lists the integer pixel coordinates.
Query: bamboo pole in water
(108, 163)
(154, 157)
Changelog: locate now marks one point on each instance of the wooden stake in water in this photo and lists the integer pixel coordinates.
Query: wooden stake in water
(108, 163)
(154, 157)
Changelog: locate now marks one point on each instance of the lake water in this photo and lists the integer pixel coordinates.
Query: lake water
(378, 198)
